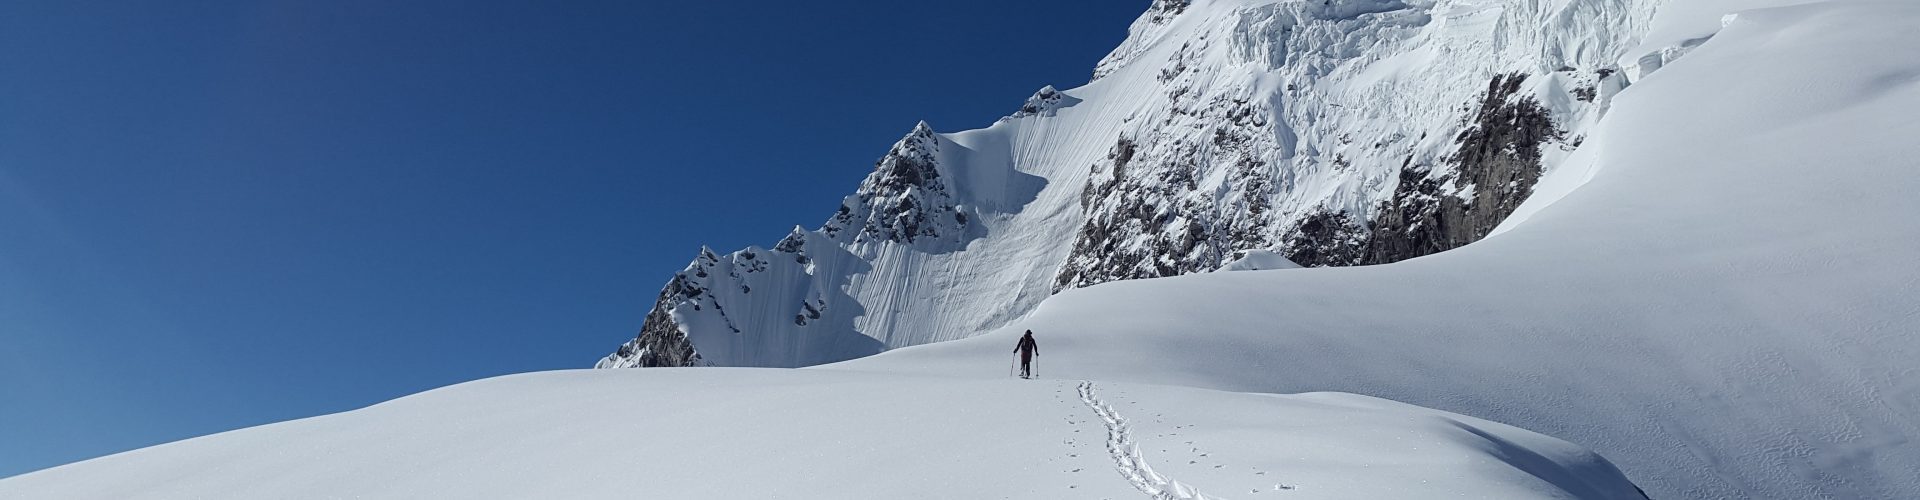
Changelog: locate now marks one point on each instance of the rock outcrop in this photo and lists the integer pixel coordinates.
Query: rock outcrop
(1494, 168)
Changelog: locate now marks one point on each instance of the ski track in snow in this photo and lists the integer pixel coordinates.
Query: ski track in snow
(1126, 454)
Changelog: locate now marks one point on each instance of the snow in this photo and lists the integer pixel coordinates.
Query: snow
(1715, 290)
(761, 433)
(1260, 260)
(1324, 103)
(1720, 297)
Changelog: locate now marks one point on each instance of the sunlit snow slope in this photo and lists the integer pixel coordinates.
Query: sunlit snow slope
(1717, 289)
(1720, 290)
(821, 434)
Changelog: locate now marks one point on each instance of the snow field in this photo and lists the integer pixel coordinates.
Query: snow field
(761, 433)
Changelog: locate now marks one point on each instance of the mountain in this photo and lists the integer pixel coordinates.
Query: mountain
(1711, 280)
(1330, 133)
(1718, 290)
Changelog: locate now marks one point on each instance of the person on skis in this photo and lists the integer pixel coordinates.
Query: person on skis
(1027, 350)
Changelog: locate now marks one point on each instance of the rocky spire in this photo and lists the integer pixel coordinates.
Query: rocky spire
(904, 200)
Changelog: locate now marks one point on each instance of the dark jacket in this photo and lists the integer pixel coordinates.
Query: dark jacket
(1027, 347)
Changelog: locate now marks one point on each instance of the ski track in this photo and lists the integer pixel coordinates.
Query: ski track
(1126, 454)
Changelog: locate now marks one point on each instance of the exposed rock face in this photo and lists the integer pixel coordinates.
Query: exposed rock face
(1043, 103)
(1148, 216)
(1326, 238)
(1146, 219)
(661, 342)
(1164, 10)
(1494, 169)
(904, 200)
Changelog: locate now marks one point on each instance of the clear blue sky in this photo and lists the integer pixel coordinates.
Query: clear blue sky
(218, 214)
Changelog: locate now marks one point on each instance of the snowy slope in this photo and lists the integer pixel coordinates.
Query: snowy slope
(1331, 132)
(719, 433)
(1718, 290)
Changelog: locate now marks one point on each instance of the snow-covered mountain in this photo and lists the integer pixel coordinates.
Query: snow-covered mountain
(1711, 282)
(1708, 275)
(1333, 133)
(1718, 289)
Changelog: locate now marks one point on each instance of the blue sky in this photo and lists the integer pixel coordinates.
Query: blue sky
(221, 214)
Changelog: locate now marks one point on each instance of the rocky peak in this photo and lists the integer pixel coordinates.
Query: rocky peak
(795, 243)
(662, 342)
(904, 200)
(1043, 103)
(1165, 10)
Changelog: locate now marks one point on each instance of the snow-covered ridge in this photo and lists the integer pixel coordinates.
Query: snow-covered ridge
(1332, 132)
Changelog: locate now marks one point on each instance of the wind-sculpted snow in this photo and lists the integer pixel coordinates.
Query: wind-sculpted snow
(1332, 132)
(1717, 289)
(820, 434)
